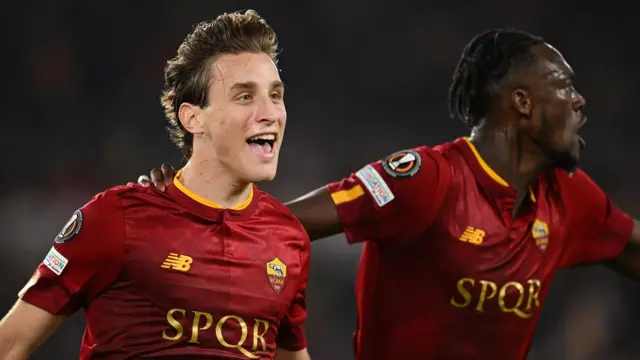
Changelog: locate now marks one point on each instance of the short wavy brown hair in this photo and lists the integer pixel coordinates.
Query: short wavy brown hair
(186, 76)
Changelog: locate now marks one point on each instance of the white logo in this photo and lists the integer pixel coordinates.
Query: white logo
(376, 185)
(55, 261)
(402, 161)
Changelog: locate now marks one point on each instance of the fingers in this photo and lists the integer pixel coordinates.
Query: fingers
(168, 173)
(160, 178)
(157, 179)
(144, 180)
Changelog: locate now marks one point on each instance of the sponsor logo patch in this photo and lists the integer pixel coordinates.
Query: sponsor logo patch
(376, 185)
(55, 261)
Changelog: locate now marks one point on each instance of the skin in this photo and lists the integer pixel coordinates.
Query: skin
(246, 98)
(531, 126)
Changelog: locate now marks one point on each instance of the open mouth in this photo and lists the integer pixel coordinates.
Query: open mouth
(262, 144)
(578, 141)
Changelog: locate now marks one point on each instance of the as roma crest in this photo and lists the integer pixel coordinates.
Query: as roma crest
(277, 273)
(540, 233)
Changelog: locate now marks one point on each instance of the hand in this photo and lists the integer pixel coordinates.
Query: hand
(160, 178)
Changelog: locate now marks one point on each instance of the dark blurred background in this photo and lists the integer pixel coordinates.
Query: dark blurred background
(364, 78)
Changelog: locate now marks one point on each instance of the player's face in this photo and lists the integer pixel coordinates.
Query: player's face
(246, 115)
(557, 108)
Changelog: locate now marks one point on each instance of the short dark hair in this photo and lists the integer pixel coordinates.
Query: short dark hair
(186, 76)
(485, 61)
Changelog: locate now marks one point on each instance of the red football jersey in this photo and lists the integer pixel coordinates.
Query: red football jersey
(171, 275)
(447, 272)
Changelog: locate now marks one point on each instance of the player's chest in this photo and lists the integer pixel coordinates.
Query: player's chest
(490, 243)
(220, 269)
(491, 263)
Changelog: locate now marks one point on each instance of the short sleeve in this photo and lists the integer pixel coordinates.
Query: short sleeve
(396, 197)
(598, 230)
(84, 260)
(291, 333)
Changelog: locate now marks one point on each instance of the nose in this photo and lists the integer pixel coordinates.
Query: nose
(578, 104)
(268, 112)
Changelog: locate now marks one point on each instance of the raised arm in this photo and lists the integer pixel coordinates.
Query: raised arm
(628, 262)
(598, 231)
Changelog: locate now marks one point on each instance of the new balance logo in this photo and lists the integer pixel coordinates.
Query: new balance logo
(177, 262)
(472, 235)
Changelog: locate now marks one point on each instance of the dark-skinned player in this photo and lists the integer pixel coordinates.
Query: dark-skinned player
(462, 240)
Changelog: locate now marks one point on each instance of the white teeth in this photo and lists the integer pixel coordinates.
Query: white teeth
(268, 137)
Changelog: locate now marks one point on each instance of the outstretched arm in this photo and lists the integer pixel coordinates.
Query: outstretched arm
(391, 199)
(628, 262)
(599, 231)
(317, 212)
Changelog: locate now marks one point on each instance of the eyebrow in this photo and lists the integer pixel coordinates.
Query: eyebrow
(252, 85)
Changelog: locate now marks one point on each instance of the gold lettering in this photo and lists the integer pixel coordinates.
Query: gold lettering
(194, 328)
(260, 330)
(174, 324)
(259, 337)
(514, 309)
(463, 292)
(534, 291)
(243, 336)
(510, 296)
(483, 294)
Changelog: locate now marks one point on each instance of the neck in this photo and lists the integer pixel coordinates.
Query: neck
(208, 178)
(517, 161)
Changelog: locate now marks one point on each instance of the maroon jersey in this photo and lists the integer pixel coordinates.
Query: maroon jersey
(171, 275)
(447, 272)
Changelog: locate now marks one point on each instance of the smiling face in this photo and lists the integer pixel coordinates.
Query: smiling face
(243, 126)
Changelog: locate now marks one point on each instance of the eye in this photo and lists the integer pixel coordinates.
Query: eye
(244, 97)
(276, 96)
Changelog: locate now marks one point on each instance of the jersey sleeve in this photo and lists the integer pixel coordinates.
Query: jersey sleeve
(291, 333)
(598, 230)
(396, 197)
(84, 260)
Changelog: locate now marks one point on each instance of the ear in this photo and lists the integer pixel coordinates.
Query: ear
(521, 102)
(188, 114)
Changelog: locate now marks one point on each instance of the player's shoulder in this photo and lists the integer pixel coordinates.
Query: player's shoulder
(577, 186)
(129, 190)
(270, 207)
(412, 161)
(99, 218)
(130, 195)
(577, 181)
(108, 199)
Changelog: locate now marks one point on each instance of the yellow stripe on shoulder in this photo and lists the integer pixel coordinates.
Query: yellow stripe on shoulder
(344, 196)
